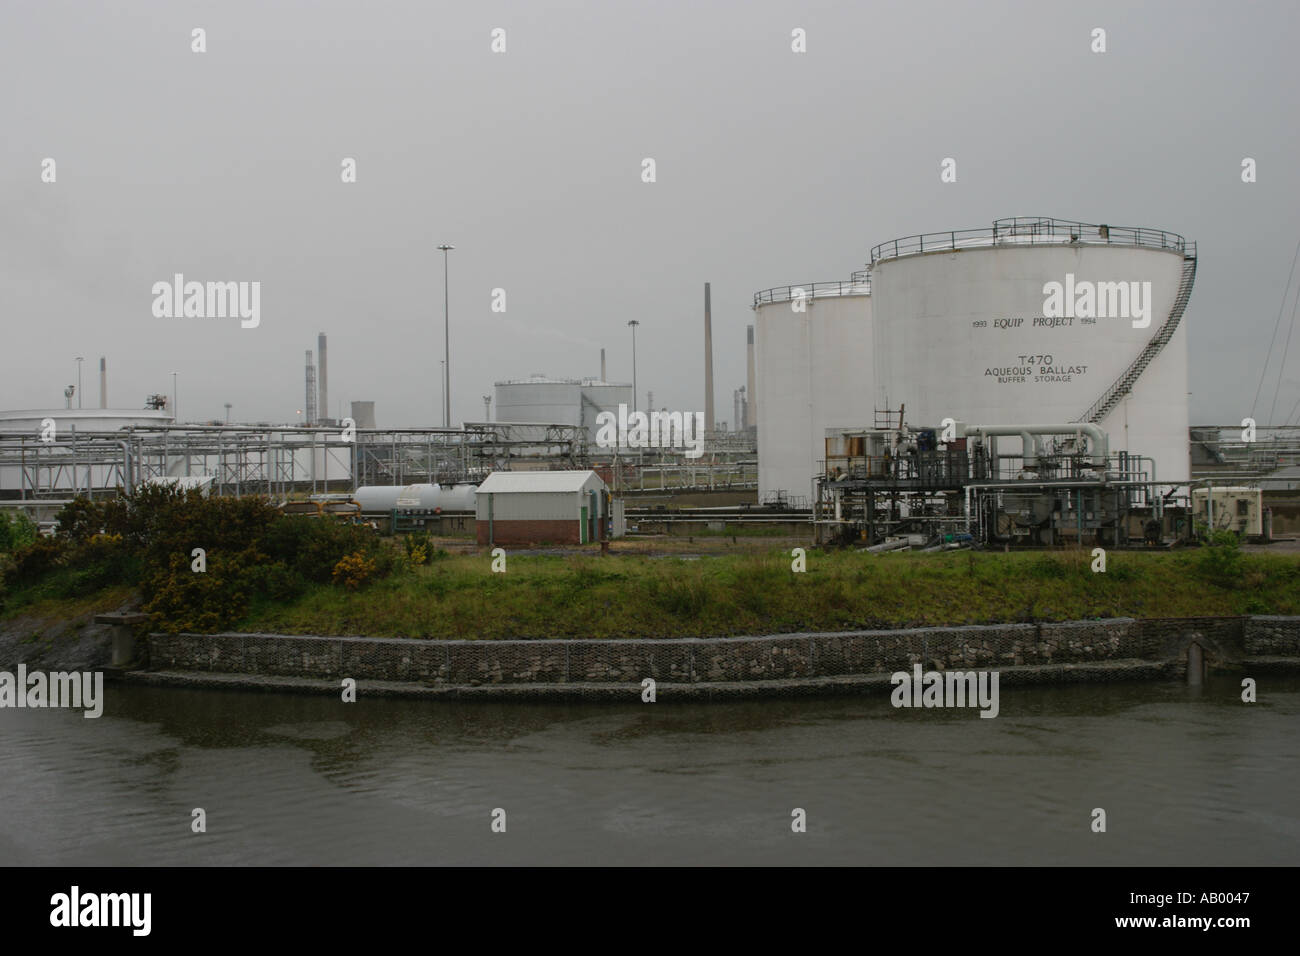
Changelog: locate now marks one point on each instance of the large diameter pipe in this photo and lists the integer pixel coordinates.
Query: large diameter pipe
(897, 545)
(1098, 440)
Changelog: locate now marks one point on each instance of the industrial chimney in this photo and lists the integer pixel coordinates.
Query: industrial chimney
(751, 396)
(708, 363)
(602, 366)
(324, 408)
(103, 382)
(309, 412)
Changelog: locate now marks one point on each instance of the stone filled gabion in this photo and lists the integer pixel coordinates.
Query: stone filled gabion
(1053, 651)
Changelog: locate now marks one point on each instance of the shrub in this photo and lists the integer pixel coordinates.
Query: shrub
(16, 531)
(1220, 560)
(418, 548)
(354, 570)
(148, 537)
(276, 580)
(79, 519)
(33, 562)
(313, 547)
(179, 599)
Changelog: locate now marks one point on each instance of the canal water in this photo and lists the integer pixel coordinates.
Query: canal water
(1186, 776)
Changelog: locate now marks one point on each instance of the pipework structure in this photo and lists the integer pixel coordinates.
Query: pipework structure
(952, 482)
(275, 460)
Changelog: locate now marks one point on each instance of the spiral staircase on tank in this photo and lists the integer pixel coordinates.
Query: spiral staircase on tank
(1104, 405)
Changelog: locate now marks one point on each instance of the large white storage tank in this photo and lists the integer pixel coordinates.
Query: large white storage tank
(963, 331)
(539, 399)
(560, 401)
(814, 371)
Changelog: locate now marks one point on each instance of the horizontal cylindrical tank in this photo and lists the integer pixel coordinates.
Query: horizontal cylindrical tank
(383, 498)
(975, 332)
(814, 370)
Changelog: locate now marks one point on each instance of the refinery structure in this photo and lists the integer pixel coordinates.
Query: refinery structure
(952, 325)
(1022, 383)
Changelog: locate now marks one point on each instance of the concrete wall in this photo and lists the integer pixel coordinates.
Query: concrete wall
(1047, 652)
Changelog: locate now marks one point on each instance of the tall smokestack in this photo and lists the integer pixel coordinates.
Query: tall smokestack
(309, 412)
(324, 408)
(602, 366)
(103, 382)
(751, 396)
(708, 362)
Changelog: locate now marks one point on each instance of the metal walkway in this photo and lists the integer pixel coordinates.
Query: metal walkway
(1124, 384)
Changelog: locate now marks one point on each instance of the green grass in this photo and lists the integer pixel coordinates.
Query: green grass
(48, 602)
(633, 596)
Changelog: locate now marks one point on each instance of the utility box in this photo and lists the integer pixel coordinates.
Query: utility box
(619, 519)
(1230, 509)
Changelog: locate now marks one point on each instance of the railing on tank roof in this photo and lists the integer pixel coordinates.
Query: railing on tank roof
(857, 284)
(1027, 230)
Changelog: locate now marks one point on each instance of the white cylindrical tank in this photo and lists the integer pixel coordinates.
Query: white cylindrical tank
(560, 401)
(380, 498)
(814, 371)
(598, 397)
(967, 329)
(540, 399)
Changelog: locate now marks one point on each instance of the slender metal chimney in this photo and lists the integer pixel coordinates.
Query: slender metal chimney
(751, 396)
(324, 407)
(708, 362)
(309, 413)
(103, 382)
(602, 366)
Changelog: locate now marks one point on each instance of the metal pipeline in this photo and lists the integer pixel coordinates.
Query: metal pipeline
(1048, 486)
(1098, 440)
(127, 470)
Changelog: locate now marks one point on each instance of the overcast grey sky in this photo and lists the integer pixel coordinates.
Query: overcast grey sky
(772, 168)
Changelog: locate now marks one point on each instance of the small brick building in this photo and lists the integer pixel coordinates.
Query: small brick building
(541, 507)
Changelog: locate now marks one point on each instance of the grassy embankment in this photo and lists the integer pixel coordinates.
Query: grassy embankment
(632, 596)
